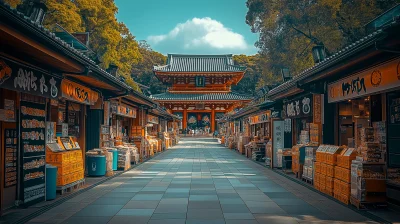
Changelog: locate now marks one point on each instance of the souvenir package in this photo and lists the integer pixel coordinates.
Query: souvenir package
(124, 158)
(379, 132)
(367, 134)
(314, 134)
(304, 137)
(344, 159)
(393, 175)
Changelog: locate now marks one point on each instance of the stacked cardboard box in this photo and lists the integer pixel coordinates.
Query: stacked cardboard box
(342, 181)
(325, 168)
(69, 165)
(124, 158)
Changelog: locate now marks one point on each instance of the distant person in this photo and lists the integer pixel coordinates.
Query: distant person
(215, 134)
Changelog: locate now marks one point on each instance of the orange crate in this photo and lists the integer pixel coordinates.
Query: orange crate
(316, 178)
(345, 188)
(337, 172)
(329, 182)
(344, 175)
(323, 168)
(345, 161)
(65, 179)
(342, 198)
(63, 169)
(330, 170)
(317, 166)
(58, 157)
(330, 159)
(319, 156)
(322, 179)
(321, 187)
(316, 185)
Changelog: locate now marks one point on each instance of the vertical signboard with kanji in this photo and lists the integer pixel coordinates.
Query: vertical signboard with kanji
(32, 144)
(278, 140)
(10, 157)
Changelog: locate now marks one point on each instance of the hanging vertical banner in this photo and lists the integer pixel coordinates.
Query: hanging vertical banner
(107, 113)
(317, 108)
(33, 131)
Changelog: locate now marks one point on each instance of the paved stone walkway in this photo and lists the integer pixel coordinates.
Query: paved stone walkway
(199, 181)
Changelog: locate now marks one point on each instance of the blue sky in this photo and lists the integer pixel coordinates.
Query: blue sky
(190, 26)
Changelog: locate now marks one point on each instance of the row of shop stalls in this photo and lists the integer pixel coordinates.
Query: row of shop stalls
(336, 125)
(63, 118)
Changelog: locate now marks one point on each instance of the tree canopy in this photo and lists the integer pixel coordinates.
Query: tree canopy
(110, 39)
(142, 71)
(290, 28)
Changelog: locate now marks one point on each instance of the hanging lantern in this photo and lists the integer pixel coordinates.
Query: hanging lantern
(319, 53)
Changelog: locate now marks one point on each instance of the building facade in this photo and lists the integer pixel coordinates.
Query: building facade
(200, 88)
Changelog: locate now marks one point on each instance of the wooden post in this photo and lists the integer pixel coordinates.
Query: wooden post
(212, 120)
(184, 120)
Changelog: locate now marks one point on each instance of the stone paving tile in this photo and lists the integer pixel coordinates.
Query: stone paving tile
(199, 181)
(88, 220)
(129, 219)
(142, 204)
(99, 210)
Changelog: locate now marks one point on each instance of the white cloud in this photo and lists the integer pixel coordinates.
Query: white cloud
(201, 36)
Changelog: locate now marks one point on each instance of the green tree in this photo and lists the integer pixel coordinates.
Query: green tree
(290, 28)
(110, 39)
(142, 71)
(256, 74)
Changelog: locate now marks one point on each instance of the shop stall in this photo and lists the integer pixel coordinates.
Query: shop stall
(260, 131)
(304, 121)
(24, 102)
(367, 124)
(152, 133)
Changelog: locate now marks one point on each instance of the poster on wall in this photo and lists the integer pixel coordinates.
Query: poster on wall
(33, 133)
(278, 140)
(10, 157)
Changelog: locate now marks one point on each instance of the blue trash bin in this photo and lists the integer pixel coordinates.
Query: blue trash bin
(51, 182)
(115, 158)
(96, 165)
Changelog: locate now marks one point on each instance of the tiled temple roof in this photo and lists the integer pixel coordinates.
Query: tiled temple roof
(199, 63)
(199, 97)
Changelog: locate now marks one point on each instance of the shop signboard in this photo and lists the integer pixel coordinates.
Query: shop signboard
(317, 109)
(78, 93)
(278, 139)
(260, 118)
(300, 107)
(33, 133)
(370, 81)
(152, 119)
(123, 110)
(20, 78)
(10, 157)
